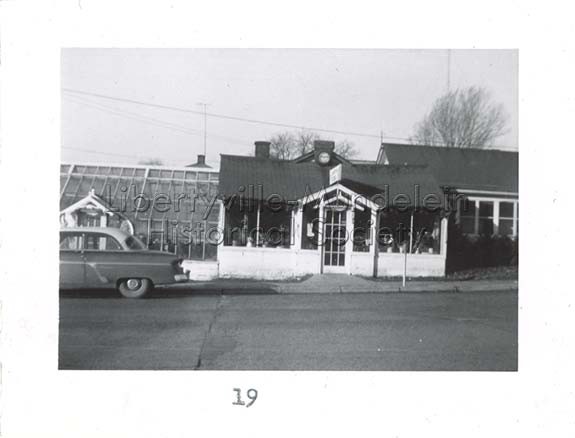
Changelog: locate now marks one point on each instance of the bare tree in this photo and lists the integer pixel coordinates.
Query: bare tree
(304, 141)
(152, 162)
(283, 146)
(462, 118)
(346, 149)
(289, 145)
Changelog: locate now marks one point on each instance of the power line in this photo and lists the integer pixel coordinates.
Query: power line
(242, 119)
(134, 116)
(146, 119)
(223, 116)
(111, 154)
(106, 153)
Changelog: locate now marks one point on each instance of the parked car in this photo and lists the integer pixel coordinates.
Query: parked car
(100, 257)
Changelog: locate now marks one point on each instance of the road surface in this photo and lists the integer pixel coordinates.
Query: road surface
(184, 330)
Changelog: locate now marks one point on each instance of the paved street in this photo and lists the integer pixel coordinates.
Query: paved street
(191, 330)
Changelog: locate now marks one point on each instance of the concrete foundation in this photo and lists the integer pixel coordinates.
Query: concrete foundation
(283, 263)
(201, 270)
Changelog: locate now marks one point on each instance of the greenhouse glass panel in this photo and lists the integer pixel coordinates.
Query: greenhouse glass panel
(203, 189)
(73, 184)
(63, 180)
(98, 185)
(85, 186)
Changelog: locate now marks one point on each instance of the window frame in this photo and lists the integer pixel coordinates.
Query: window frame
(100, 236)
(77, 234)
(477, 200)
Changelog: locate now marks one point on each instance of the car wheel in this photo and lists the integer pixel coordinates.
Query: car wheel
(135, 287)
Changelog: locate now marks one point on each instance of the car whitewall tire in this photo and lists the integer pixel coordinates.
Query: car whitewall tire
(135, 287)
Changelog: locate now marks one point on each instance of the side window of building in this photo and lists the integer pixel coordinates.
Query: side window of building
(467, 216)
(485, 218)
(506, 218)
(517, 220)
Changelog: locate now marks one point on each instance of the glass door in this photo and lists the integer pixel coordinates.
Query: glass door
(335, 240)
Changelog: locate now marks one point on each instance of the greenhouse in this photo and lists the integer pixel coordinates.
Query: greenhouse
(169, 208)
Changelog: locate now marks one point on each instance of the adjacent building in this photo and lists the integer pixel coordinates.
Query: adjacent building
(487, 179)
(169, 208)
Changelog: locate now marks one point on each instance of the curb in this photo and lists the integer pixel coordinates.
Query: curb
(254, 288)
(400, 290)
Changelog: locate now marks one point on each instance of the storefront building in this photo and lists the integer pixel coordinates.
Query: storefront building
(322, 213)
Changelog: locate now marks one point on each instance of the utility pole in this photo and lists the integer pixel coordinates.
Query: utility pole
(205, 106)
(448, 70)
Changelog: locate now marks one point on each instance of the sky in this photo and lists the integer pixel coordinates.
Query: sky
(361, 93)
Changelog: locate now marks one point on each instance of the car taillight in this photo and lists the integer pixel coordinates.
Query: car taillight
(177, 265)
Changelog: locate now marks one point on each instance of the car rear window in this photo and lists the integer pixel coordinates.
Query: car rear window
(134, 243)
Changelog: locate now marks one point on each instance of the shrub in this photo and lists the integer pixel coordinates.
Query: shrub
(468, 252)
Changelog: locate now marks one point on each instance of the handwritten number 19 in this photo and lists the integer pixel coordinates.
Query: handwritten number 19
(252, 395)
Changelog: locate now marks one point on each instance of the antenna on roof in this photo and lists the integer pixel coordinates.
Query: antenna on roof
(205, 106)
(448, 69)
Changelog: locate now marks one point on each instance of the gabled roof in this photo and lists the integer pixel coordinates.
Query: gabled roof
(89, 201)
(294, 181)
(460, 168)
(394, 179)
(287, 179)
(199, 166)
(309, 156)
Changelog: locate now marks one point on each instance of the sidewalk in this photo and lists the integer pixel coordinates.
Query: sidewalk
(341, 283)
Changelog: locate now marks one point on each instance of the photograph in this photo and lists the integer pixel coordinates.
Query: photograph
(289, 209)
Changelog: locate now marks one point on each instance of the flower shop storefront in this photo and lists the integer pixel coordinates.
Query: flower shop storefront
(347, 227)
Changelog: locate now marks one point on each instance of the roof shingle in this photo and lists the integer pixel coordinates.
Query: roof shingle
(462, 168)
(293, 181)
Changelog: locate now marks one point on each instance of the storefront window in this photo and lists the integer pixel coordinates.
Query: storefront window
(310, 226)
(362, 230)
(275, 226)
(242, 225)
(395, 232)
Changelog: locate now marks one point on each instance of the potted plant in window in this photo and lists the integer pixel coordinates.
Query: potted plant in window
(427, 243)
